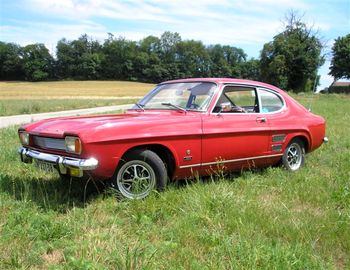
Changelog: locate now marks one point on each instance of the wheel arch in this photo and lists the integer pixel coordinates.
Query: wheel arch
(305, 140)
(165, 154)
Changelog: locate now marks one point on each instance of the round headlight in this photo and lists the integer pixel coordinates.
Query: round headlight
(73, 145)
(24, 137)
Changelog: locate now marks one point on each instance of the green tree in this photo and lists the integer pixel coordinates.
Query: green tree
(89, 57)
(225, 61)
(250, 69)
(79, 59)
(340, 64)
(119, 55)
(148, 65)
(66, 60)
(192, 59)
(11, 64)
(219, 66)
(168, 55)
(293, 57)
(90, 65)
(37, 62)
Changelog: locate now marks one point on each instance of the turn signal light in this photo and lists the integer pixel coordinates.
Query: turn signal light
(73, 145)
(24, 137)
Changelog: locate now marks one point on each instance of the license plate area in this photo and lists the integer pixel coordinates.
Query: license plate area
(45, 166)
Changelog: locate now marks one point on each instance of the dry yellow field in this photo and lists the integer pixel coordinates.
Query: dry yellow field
(72, 89)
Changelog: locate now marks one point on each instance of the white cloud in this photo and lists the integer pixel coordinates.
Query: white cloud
(159, 10)
(221, 21)
(84, 9)
(26, 32)
(212, 22)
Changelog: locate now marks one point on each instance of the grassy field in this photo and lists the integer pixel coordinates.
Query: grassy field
(26, 97)
(270, 219)
(16, 107)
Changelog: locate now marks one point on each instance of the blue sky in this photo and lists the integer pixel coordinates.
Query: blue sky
(247, 24)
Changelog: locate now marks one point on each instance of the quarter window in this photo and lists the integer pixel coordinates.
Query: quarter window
(269, 102)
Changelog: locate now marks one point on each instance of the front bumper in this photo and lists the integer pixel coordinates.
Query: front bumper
(62, 163)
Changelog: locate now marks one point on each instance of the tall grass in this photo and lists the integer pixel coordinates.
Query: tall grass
(269, 219)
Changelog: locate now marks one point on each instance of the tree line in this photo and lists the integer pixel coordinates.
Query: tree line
(152, 59)
(289, 61)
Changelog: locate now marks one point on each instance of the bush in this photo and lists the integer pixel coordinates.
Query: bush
(339, 89)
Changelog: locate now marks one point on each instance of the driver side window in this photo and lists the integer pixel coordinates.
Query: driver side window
(236, 99)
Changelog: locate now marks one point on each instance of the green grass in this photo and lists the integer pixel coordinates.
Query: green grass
(17, 107)
(270, 219)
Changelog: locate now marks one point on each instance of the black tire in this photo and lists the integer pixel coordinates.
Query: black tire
(140, 172)
(294, 155)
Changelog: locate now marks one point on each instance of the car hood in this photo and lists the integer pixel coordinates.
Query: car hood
(118, 126)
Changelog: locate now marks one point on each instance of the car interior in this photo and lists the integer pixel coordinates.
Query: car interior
(236, 99)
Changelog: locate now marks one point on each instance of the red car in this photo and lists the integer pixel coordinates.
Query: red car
(180, 129)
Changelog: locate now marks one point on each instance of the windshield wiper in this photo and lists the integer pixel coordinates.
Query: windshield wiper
(140, 106)
(174, 106)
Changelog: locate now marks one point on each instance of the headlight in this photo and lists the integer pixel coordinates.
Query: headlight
(73, 145)
(24, 138)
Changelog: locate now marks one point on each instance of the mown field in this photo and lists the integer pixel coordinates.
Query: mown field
(269, 219)
(26, 97)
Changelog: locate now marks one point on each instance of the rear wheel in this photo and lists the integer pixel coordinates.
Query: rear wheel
(294, 155)
(140, 172)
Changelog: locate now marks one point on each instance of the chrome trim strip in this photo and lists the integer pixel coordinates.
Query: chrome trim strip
(190, 166)
(61, 161)
(229, 161)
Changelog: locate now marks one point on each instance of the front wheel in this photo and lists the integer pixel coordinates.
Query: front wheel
(294, 155)
(140, 172)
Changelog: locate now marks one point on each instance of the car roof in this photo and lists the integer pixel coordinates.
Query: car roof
(226, 81)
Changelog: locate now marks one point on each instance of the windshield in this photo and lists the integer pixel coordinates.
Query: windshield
(193, 96)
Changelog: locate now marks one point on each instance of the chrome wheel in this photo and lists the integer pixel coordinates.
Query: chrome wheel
(293, 157)
(136, 179)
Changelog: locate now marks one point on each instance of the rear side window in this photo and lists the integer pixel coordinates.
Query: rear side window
(269, 102)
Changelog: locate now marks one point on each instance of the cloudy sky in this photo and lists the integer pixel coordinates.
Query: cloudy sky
(247, 24)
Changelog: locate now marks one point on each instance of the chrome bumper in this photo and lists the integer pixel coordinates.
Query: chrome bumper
(62, 163)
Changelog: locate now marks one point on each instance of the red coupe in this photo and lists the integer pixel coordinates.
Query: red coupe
(180, 129)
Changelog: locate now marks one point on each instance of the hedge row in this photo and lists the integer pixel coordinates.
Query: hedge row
(339, 89)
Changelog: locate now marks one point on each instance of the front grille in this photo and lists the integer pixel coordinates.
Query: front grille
(49, 143)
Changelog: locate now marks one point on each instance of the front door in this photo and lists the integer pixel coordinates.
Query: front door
(235, 135)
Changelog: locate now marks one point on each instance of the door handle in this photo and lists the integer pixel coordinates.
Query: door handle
(261, 120)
